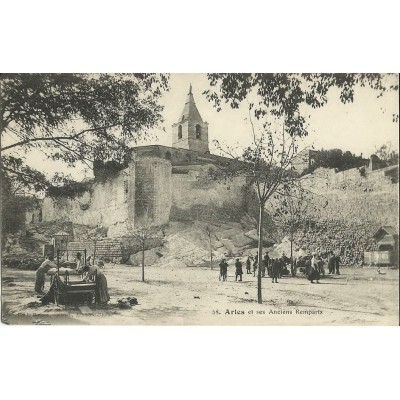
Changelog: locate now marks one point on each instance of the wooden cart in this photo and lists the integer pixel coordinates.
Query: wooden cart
(67, 291)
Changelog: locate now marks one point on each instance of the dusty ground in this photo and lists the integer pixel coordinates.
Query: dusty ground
(194, 296)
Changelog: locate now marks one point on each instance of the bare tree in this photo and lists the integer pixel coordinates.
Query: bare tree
(284, 97)
(143, 233)
(267, 162)
(292, 205)
(209, 233)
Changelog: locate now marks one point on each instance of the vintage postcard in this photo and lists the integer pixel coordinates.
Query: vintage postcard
(200, 199)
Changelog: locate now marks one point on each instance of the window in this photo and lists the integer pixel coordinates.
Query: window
(168, 155)
(198, 131)
(40, 215)
(180, 132)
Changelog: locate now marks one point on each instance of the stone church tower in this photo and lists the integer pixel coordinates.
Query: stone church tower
(190, 132)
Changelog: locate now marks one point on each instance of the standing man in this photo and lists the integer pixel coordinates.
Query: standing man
(239, 270)
(275, 270)
(337, 264)
(41, 273)
(248, 265)
(223, 269)
(331, 263)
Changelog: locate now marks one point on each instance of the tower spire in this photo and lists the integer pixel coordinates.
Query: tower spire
(190, 98)
(190, 132)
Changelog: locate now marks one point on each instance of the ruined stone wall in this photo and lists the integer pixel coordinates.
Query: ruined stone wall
(153, 190)
(105, 205)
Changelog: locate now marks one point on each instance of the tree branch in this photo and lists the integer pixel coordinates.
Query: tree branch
(72, 137)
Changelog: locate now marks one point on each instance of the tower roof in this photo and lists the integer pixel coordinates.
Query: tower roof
(190, 110)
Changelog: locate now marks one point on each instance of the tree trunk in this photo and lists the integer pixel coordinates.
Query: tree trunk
(143, 262)
(291, 256)
(211, 258)
(260, 245)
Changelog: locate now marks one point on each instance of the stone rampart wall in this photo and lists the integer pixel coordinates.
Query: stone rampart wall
(348, 210)
(105, 205)
(193, 193)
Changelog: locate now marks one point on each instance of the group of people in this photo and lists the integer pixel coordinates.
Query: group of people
(89, 272)
(314, 266)
(277, 267)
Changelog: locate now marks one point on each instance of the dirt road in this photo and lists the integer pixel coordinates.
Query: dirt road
(195, 296)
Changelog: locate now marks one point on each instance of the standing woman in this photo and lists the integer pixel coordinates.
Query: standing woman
(78, 262)
(102, 296)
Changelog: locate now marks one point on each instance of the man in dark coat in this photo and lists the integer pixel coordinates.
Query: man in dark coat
(239, 270)
(337, 264)
(223, 269)
(331, 263)
(275, 270)
(248, 265)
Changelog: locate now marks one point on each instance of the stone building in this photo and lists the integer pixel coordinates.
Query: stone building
(166, 184)
(158, 181)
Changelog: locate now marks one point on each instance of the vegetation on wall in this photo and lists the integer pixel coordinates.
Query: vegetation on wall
(337, 159)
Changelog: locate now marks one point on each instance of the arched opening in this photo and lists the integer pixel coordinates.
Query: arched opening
(180, 132)
(40, 215)
(198, 131)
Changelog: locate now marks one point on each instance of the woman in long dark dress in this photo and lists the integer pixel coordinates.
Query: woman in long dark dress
(102, 296)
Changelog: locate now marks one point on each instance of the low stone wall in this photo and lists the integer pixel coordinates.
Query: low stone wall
(117, 250)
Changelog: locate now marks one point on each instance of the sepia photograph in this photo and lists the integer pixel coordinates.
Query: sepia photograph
(200, 199)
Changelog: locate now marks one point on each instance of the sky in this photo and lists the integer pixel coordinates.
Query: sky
(360, 127)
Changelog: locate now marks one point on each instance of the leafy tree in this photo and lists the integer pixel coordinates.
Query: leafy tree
(74, 118)
(279, 99)
(335, 158)
(387, 154)
(13, 207)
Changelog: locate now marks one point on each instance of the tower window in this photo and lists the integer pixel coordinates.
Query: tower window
(180, 132)
(198, 131)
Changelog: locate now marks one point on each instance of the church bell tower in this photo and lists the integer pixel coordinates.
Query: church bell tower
(190, 132)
